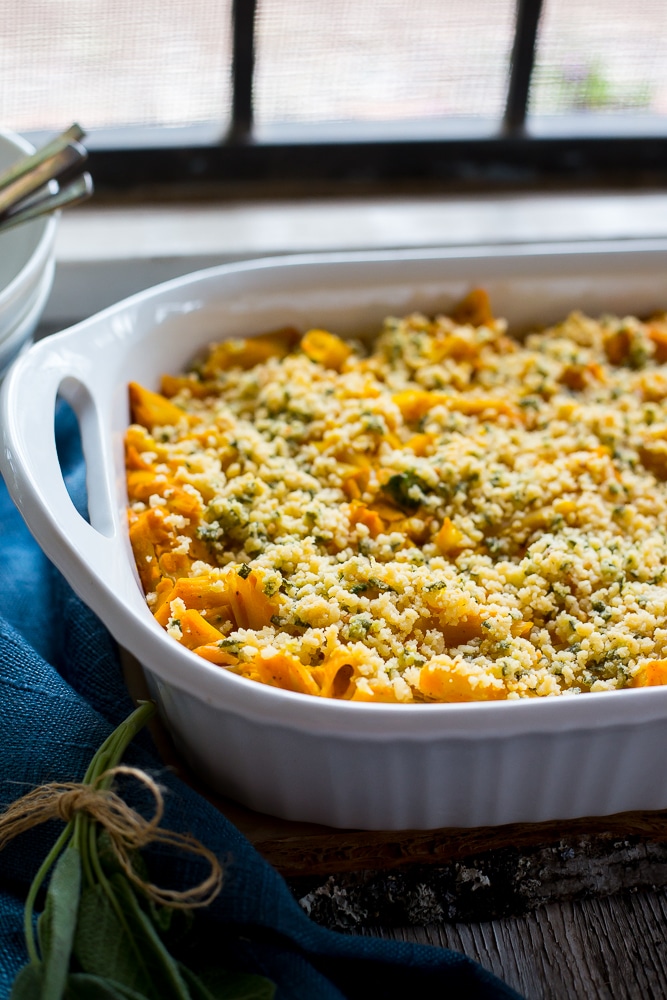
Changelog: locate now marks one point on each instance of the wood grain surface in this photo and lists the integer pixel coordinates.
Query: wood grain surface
(595, 949)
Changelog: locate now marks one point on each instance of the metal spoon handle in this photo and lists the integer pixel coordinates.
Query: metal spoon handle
(27, 163)
(72, 194)
(71, 155)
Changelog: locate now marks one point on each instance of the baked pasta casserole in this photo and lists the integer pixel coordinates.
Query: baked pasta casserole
(449, 514)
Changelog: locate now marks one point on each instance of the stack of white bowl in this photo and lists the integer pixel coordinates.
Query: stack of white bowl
(27, 265)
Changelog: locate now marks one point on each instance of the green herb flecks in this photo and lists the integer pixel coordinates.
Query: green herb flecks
(406, 490)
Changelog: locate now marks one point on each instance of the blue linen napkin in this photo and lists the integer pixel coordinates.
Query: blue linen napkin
(61, 693)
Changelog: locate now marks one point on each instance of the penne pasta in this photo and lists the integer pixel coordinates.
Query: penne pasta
(452, 514)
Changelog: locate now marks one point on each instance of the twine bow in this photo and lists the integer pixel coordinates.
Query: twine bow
(127, 829)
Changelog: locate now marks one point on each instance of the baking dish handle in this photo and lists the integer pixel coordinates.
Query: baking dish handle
(32, 471)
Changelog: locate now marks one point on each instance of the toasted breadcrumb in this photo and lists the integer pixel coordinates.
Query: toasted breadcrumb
(452, 516)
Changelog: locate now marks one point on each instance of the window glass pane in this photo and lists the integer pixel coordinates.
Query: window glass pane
(113, 62)
(606, 56)
(364, 60)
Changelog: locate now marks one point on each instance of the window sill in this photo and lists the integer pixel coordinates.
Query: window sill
(105, 253)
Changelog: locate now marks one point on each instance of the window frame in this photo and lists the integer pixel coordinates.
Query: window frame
(515, 152)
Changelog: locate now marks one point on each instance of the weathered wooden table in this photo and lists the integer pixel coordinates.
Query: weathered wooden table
(610, 948)
(557, 910)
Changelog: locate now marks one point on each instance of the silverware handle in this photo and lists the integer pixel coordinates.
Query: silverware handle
(27, 163)
(72, 194)
(51, 168)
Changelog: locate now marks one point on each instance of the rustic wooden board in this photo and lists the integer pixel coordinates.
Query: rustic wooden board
(513, 880)
(305, 849)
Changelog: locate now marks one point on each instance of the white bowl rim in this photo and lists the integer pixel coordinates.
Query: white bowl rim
(26, 325)
(39, 256)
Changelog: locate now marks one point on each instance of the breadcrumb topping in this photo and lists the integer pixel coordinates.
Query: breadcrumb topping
(451, 515)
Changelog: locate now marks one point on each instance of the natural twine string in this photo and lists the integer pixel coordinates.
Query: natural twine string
(127, 829)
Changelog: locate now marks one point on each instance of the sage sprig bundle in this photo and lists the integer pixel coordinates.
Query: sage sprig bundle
(101, 935)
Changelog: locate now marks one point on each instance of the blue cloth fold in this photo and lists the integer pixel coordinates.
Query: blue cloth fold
(61, 694)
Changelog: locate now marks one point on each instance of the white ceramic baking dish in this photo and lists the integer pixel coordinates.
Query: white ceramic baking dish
(338, 763)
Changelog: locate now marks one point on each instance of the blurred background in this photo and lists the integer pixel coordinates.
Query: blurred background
(220, 130)
(464, 91)
(168, 62)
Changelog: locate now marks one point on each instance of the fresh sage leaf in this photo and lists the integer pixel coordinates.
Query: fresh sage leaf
(222, 985)
(164, 969)
(82, 986)
(101, 945)
(56, 926)
(28, 983)
(174, 926)
(195, 986)
(109, 859)
(122, 944)
(162, 916)
(106, 942)
(106, 854)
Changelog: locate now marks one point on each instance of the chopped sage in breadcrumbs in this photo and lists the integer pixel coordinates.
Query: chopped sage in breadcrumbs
(452, 515)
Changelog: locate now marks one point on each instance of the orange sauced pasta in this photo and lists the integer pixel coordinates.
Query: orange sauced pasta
(450, 515)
